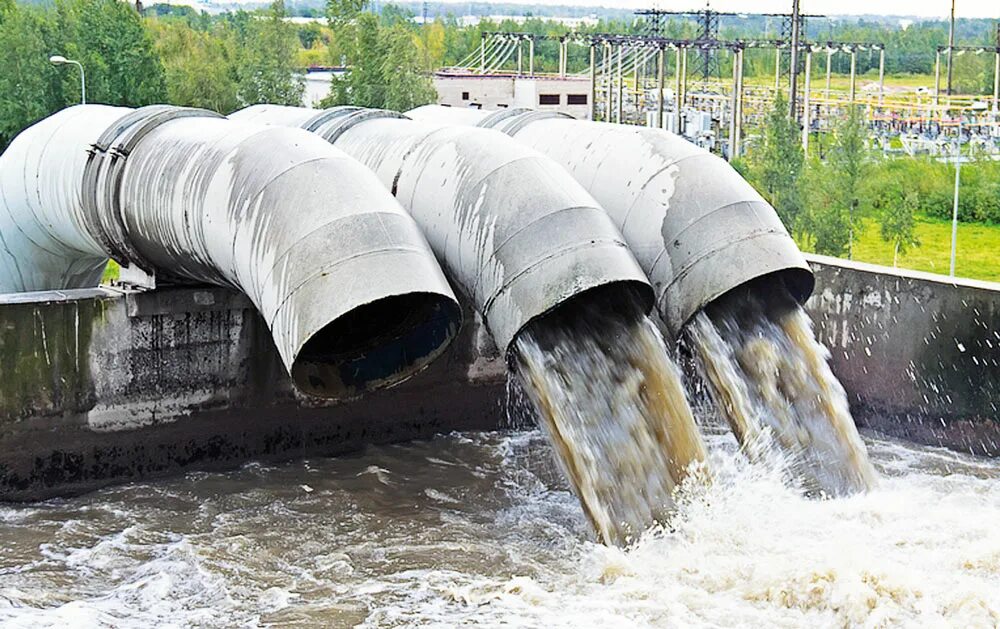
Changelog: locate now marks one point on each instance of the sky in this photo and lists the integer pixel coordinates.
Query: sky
(918, 8)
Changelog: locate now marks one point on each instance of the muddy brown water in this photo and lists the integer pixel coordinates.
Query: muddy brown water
(481, 529)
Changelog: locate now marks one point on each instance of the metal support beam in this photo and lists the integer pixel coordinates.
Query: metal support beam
(482, 54)
(734, 106)
(520, 58)
(854, 74)
(829, 66)
(659, 87)
(794, 61)
(937, 78)
(593, 82)
(806, 113)
(531, 57)
(621, 88)
(684, 75)
(881, 76)
(677, 90)
(951, 45)
(738, 114)
(609, 103)
(996, 82)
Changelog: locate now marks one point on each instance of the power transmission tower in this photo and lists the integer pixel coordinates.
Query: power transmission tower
(705, 42)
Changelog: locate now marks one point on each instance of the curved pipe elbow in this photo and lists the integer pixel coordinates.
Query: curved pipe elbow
(517, 233)
(697, 228)
(343, 278)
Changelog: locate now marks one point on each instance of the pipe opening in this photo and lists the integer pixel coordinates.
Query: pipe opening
(626, 301)
(783, 290)
(376, 345)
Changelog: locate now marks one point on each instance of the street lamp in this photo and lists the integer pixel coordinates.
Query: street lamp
(59, 60)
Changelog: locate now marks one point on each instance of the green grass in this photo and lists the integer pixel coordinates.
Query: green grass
(977, 252)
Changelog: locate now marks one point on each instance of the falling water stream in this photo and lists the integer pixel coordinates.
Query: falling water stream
(769, 377)
(613, 406)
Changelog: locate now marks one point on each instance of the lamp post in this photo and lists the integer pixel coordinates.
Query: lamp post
(59, 60)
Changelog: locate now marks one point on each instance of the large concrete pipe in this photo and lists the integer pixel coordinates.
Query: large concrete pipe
(696, 226)
(511, 227)
(348, 285)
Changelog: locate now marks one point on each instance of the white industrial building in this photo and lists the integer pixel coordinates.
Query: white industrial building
(568, 94)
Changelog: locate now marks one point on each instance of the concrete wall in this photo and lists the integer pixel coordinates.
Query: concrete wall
(919, 354)
(97, 386)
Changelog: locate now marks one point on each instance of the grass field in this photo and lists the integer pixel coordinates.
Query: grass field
(978, 251)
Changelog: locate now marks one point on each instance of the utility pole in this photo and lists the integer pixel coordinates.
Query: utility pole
(659, 87)
(806, 122)
(794, 69)
(593, 81)
(951, 44)
(958, 177)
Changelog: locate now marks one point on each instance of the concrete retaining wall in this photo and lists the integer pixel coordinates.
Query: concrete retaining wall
(99, 386)
(919, 354)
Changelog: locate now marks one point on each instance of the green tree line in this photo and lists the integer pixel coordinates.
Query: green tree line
(131, 60)
(178, 55)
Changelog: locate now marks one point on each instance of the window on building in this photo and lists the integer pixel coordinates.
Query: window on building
(502, 105)
(465, 96)
(576, 99)
(548, 99)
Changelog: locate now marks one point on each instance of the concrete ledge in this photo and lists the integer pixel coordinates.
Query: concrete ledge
(918, 353)
(100, 386)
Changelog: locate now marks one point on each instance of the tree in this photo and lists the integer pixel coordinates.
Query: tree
(824, 222)
(405, 86)
(26, 71)
(200, 66)
(847, 160)
(109, 38)
(384, 68)
(266, 71)
(897, 224)
(776, 166)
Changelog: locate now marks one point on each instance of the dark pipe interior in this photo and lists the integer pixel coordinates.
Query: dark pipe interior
(369, 347)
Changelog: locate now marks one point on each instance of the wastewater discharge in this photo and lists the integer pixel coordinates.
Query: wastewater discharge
(769, 377)
(611, 402)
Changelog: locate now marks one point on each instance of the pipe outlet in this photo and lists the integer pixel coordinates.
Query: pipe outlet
(510, 226)
(697, 228)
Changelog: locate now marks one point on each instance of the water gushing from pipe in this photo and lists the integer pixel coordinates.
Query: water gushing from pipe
(612, 403)
(769, 377)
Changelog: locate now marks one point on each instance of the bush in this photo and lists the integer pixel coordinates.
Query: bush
(933, 182)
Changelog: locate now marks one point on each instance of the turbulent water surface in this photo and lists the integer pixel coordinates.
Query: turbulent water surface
(481, 529)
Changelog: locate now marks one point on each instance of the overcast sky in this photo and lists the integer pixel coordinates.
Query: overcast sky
(920, 8)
